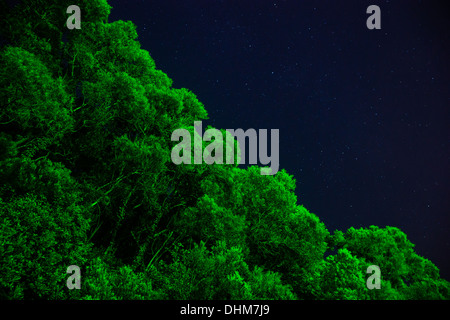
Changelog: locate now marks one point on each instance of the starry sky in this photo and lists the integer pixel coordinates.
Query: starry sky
(363, 114)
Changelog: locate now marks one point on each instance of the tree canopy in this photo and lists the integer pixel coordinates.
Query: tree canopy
(86, 179)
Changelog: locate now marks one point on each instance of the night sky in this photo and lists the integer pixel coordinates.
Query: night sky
(363, 114)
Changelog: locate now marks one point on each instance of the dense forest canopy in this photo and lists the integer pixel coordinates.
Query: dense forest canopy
(86, 179)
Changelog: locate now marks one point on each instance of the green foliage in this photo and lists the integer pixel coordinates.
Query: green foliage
(38, 243)
(106, 282)
(342, 278)
(281, 235)
(219, 273)
(41, 176)
(86, 177)
(405, 274)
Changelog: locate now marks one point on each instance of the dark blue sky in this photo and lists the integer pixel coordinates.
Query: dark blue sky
(363, 114)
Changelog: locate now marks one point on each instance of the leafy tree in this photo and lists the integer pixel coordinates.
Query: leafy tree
(402, 269)
(86, 121)
(220, 273)
(108, 281)
(38, 243)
